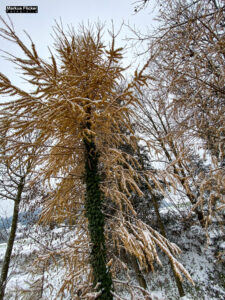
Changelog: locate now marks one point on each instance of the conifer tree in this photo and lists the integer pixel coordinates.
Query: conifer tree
(74, 108)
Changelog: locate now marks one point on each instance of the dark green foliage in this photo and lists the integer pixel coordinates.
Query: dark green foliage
(93, 207)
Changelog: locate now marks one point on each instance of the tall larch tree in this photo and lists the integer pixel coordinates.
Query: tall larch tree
(74, 108)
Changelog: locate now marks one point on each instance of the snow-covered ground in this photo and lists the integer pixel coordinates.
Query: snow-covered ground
(198, 257)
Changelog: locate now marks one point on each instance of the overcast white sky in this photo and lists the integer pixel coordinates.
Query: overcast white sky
(72, 12)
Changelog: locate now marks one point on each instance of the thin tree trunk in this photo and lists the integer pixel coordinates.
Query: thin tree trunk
(161, 226)
(7, 258)
(141, 280)
(163, 232)
(182, 181)
(93, 206)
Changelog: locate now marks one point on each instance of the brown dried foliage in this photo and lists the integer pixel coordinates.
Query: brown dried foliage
(80, 83)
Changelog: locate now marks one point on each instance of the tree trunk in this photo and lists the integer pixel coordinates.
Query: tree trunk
(141, 280)
(93, 207)
(176, 171)
(161, 226)
(7, 258)
(163, 232)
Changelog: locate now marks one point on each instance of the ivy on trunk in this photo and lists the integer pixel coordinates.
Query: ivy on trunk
(93, 206)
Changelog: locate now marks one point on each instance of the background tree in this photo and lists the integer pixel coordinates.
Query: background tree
(187, 67)
(15, 178)
(183, 111)
(177, 158)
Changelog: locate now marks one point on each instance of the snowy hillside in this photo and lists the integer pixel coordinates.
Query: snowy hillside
(200, 259)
